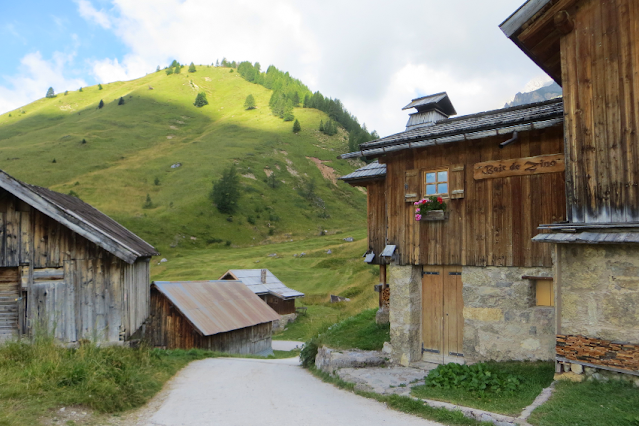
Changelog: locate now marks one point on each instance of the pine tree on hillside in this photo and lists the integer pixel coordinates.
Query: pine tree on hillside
(296, 126)
(288, 116)
(200, 100)
(249, 103)
(169, 71)
(174, 64)
(99, 87)
(217, 62)
(101, 104)
(80, 89)
(296, 99)
(178, 69)
(50, 93)
(157, 69)
(192, 67)
(226, 192)
(321, 127)
(121, 101)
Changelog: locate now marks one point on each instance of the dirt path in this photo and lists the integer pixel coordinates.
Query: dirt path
(239, 392)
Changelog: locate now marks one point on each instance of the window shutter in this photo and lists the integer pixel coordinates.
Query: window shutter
(457, 180)
(411, 186)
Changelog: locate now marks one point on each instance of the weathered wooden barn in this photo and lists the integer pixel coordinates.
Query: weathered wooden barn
(591, 48)
(268, 287)
(68, 269)
(470, 284)
(222, 316)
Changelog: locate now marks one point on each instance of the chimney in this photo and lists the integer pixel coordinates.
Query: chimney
(430, 109)
(263, 276)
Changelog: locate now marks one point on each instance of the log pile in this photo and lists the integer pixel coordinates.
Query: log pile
(598, 351)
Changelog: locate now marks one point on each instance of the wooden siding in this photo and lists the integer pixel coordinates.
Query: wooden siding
(280, 306)
(492, 225)
(600, 73)
(169, 329)
(73, 288)
(376, 192)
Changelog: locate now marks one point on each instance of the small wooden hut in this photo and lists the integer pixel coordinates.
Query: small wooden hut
(67, 268)
(268, 287)
(222, 316)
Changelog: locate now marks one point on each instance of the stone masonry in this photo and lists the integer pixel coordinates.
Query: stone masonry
(405, 312)
(598, 352)
(501, 319)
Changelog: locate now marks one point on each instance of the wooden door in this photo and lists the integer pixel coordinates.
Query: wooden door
(442, 314)
(9, 299)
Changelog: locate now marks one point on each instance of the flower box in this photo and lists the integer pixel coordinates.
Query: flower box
(433, 215)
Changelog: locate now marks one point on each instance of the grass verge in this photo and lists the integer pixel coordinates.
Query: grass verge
(589, 404)
(357, 332)
(534, 377)
(403, 403)
(39, 377)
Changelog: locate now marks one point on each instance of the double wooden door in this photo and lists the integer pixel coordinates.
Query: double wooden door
(442, 314)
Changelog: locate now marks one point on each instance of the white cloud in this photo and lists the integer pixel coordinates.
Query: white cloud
(110, 70)
(88, 12)
(35, 76)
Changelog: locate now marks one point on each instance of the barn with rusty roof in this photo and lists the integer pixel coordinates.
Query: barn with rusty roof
(67, 268)
(224, 316)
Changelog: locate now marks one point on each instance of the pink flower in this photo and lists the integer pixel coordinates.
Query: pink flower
(418, 217)
(417, 210)
(416, 203)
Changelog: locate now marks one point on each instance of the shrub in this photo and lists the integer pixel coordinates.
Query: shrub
(227, 191)
(66, 92)
(83, 141)
(148, 203)
(228, 243)
(200, 100)
(288, 116)
(296, 126)
(271, 231)
(54, 161)
(99, 87)
(101, 104)
(251, 220)
(157, 181)
(309, 352)
(249, 103)
(74, 194)
(121, 101)
(477, 378)
(80, 89)
(169, 71)
(192, 67)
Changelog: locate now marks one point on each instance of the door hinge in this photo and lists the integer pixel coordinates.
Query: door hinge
(455, 354)
(434, 351)
(454, 273)
(429, 273)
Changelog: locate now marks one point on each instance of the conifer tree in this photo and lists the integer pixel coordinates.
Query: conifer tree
(169, 71)
(200, 100)
(157, 69)
(296, 99)
(321, 127)
(296, 126)
(226, 192)
(217, 62)
(99, 87)
(178, 69)
(101, 104)
(121, 101)
(50, 93)
(249, 103)
(174, 64)
(192, 67)
(80, 89)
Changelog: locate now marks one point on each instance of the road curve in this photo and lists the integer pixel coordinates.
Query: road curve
(253, 392)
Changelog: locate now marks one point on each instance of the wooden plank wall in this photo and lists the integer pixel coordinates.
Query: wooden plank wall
(494, 223)
(376, 199)
(168, 328)
(282, 307)
(600, 74)
(75, 289)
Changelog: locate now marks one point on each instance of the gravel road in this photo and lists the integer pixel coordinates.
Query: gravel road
(253, 392)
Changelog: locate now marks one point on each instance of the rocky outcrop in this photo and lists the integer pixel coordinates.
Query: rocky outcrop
(329, 360)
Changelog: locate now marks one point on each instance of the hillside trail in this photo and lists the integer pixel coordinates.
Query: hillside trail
(247, 392)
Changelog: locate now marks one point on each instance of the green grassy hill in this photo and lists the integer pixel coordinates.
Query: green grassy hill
(129, 148)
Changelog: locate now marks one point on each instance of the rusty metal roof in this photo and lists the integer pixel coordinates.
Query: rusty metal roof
(252, 278)
(81, 218)
(217, 306)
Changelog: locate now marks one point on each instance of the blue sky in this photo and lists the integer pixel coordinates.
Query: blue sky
(371, 54)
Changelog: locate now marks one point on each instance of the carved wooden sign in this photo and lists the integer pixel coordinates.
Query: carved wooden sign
(519, 166)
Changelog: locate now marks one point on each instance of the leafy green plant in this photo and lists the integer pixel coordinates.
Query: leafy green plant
(200, 100)
(478, 378)
(309, 352)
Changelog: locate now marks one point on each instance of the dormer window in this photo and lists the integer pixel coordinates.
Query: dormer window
(436, 183)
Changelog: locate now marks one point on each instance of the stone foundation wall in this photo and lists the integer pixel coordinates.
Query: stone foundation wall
(501, 321)
(405, 312)
(599, 352)
(599, 291)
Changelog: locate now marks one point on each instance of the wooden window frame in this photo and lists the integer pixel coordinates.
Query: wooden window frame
(447, 181)
(548, 293)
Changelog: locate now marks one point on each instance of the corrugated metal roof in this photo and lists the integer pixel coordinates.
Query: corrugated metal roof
(217, 306)
(252, 278)
(368, 172)
(588, 238)
(476, 126)
(439, 100)
(81, 218)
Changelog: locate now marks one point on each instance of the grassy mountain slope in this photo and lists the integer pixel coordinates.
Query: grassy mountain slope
(129, 146)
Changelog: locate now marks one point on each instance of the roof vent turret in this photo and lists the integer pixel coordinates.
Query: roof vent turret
(430, 109)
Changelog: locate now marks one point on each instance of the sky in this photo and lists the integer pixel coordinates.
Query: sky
(375, 56)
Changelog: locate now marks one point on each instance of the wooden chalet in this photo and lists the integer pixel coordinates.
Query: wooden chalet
(268, 287)
(591, 48)
(222, 316)
(469, 285)
(68, 269)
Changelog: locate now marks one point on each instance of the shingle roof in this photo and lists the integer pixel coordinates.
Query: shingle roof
(81, 218)
(476, 126)
(217, 306)
(252, 278)
(370, 171)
